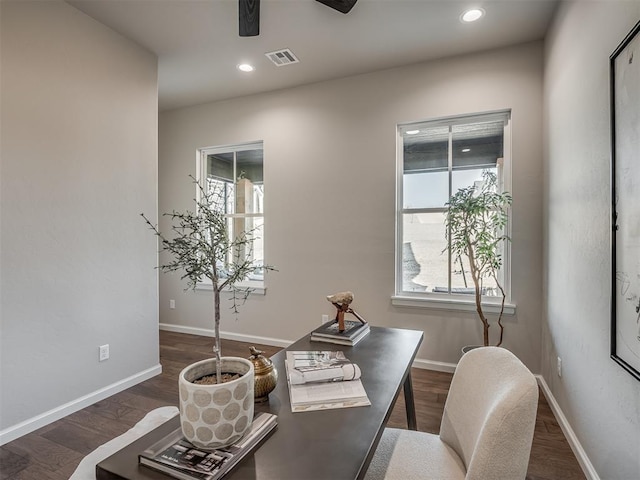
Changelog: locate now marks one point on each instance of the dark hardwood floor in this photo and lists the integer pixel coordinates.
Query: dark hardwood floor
(54, 451)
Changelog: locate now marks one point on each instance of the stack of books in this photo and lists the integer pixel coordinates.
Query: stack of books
(354, 331)
(176, 457)
(321, 380)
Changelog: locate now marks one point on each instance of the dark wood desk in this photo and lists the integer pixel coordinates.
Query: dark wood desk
(321, 445)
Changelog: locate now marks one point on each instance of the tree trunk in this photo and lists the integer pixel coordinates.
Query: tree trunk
(475, 275)
(495, 277)
(464, 277)
(216, 332)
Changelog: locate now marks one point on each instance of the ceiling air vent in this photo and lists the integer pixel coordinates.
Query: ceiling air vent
(282, 57)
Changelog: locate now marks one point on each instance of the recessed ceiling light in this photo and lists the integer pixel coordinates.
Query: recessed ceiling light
(472, 15)
(245, 67)
(465, 150)
(412, 132)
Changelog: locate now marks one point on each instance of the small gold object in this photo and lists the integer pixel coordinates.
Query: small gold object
(265, 375)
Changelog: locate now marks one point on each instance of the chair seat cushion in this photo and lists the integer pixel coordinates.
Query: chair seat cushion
(408, 455)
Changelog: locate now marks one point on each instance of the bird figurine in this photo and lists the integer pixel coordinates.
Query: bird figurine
(341, 298)
(342, 302)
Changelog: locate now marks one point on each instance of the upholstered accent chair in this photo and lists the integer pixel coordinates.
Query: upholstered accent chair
(486, 430)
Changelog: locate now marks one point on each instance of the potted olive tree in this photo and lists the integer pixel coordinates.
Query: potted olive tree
(217, 394)
(475, 228)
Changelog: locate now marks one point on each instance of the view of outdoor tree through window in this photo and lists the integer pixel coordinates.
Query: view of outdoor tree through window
(437, 159)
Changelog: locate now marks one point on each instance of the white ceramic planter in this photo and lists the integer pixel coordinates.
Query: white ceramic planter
(213, 416)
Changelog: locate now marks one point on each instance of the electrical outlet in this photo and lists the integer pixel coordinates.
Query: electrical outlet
(172, 304)
(325, 319)
(104, 352)
(559, 366)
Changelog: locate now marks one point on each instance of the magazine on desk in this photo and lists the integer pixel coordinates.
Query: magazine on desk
(320, 380)
(178, 458)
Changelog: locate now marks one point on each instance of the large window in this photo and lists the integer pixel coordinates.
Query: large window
(435, 159)
(237, 172)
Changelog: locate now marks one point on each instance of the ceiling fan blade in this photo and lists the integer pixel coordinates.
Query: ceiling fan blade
(343, 6)
(249, 17)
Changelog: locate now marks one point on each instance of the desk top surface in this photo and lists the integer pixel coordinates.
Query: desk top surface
(335, 444)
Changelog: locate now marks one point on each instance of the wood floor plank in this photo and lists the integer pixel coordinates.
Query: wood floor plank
(39, 472)
(113, 410)
(140, 403)
(11, 463)
(43, 452)
(83, 440)
(53, 452)
(111, 427)
(162, 389)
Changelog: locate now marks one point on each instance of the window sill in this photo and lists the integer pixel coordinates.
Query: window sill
(257, 287)
(450, 304)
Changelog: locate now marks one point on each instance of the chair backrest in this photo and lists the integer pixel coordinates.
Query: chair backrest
(490, 414)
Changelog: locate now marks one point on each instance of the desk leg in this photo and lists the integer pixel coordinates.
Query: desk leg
(410, 406)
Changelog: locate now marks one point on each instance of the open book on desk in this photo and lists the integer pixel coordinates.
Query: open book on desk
(320, 380)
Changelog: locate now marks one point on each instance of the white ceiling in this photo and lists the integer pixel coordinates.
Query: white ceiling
(198, 45)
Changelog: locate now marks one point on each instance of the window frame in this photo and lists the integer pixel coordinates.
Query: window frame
(450, 301)
(256, 287)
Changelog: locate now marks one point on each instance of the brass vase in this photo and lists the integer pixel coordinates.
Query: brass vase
(265, 375)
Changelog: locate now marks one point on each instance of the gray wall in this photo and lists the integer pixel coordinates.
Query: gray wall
(600, 399)
(330, 166)
(79, 163)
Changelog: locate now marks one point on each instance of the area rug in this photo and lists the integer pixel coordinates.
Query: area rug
(87, 467)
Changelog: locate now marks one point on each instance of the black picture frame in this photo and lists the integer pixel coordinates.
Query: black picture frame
(624, 67)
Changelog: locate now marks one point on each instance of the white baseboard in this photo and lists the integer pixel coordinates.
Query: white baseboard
(240, 337)
(39, 421)
(433, 365)
(278, 342)
(574, 443)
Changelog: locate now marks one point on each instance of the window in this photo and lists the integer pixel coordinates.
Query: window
(435, 159)
(237, 172)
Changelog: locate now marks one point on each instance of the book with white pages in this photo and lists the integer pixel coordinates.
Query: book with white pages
(321, 380)
(352, 329)
(340, 341)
